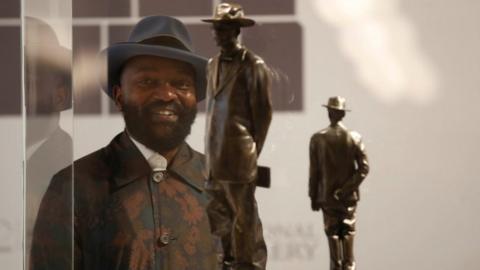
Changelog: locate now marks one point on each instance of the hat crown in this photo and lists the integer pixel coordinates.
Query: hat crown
(161, 30)
(39, 33)
(228, 11)
(337, 103)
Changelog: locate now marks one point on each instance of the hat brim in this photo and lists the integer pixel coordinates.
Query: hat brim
(242, 22)
(117, 54)
(336, 108)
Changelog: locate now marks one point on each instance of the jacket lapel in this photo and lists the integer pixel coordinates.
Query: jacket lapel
(230, 74)
(214, 77)
(189, 166)
(128, 164)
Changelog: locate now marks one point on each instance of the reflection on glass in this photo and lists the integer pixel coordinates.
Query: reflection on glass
(48, 147)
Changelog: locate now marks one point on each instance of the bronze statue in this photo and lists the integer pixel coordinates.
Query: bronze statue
(338, 165)
(239, 112)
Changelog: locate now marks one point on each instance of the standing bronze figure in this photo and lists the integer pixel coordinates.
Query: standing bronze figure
(239, 112)
(338, 165)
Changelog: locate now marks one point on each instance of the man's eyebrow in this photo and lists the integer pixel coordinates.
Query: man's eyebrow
(180, 70)
(186, 70)
(145, 69)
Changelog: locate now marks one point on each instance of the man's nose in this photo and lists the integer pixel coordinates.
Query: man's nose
(165, 92)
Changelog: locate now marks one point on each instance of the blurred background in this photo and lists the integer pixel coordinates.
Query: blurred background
(409, 69)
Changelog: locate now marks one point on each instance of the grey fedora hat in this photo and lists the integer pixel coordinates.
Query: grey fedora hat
(161, 36)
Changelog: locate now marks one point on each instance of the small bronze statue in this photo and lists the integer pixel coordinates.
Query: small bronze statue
(239, 112)
(338, 165)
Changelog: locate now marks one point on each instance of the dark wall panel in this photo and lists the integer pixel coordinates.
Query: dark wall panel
(101, 8)
(118, 33)
(9, 8)
(202, 39)
(10, 68)
(267, 7)
(176, 8)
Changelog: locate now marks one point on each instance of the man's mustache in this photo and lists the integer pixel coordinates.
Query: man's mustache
(160, 105)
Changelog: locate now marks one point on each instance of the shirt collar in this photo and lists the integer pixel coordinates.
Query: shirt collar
(147, 153)
(231, 55)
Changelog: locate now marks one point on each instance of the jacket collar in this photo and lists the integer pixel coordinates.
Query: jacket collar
(189, 166)
(129, 164)
(232, 71)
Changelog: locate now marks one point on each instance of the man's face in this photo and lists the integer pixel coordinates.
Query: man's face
(225, 34)
(335, 116)
(157, 98)
(46, 89)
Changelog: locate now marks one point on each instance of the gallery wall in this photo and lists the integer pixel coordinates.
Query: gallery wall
(410, 71)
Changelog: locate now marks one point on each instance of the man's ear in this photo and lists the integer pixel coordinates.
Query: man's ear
(117, 96)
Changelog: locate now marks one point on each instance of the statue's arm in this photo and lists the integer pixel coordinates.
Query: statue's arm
(361, 161)
(260, 101)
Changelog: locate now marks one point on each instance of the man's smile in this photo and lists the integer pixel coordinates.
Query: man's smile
(164, 115)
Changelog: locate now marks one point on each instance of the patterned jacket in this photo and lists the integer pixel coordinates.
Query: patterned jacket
(122, 218)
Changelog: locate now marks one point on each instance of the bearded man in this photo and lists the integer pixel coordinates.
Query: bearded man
(139, 203)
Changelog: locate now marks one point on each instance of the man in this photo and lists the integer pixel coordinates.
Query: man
(338, 165)
(239, 112)
(139, 202)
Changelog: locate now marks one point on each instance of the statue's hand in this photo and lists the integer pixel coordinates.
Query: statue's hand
(337, 194)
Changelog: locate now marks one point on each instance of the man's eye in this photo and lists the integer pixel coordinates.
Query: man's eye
(182, 84)
(146, 82)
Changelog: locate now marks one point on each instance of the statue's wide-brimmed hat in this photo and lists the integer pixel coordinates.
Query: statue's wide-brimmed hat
(230, 13)
(161, 36)
(337, 103)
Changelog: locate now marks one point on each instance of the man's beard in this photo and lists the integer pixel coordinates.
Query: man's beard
(137, 121)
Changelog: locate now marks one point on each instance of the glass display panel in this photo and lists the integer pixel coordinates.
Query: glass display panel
(11, 138)
(48, 124)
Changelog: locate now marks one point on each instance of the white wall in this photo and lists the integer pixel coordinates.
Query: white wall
(410, 71)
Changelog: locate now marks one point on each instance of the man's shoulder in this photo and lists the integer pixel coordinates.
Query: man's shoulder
(356, 137)
(92, 165)
(94, 162)
(192, 155)
(213, 59)
(195, 154)
(321, 133)
(252, 57)
(317, 137)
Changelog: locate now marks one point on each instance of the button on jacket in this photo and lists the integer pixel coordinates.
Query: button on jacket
(337, 162)
(123, 218)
